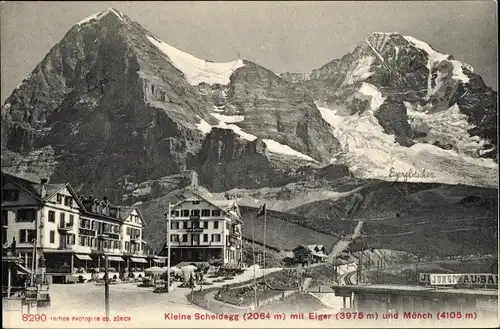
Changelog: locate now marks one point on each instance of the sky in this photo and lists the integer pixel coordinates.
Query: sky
(281, 36)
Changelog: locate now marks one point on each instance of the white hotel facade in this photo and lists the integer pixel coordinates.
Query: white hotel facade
(202, 230)
(72, 233)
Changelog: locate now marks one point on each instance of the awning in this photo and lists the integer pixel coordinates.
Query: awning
(83, 257)
(138, 260)
(115, 259)
(159, 260)
(22, 270)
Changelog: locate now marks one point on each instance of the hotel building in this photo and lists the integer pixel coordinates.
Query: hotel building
(203, 230)
(72, 233)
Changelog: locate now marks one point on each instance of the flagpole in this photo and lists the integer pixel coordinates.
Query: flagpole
(265, 246)
(253, 256)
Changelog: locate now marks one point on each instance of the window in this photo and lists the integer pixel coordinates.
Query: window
(127, 246)
(185, 213)
(52, 216)
(5, 218)
(128, 230)
(82, 241)
(26, 215)
(67, 201)
(195, 212)
(52, 236)
(185, 225)
(70, 239)
(205, 237)
(205, 212)
(205, 224)
(216, 213)
(59, 198)
(26, 236)
(71, 220)
(10, 195)
(62, 215)
(216, 225)
(174, 213)
(184, 238)
(196, 202)
(215, 237)
(174, 238)
(92, 242)
(195, 237)
(228, 226)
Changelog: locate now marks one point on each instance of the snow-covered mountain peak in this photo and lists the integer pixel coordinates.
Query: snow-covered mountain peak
(197, 70)
(100, 15)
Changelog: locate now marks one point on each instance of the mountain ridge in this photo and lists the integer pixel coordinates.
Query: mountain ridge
(111, 105)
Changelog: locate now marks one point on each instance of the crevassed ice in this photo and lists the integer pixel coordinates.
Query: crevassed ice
(198, 70)
(371, 153)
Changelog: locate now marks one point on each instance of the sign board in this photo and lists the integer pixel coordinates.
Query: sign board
(194, 217)
(480, 279)
(487, 304)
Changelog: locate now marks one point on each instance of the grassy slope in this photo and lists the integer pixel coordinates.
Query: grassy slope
(426, 218)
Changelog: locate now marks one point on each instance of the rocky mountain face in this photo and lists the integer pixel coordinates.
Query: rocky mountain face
(405, 77)
(116, 111)
(111, 105)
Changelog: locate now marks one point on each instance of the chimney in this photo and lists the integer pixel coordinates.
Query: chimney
(194, 178)
(43, 190)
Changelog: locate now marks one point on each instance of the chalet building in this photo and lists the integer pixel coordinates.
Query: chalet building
(72, 233)
(202, 230)
(309, 254)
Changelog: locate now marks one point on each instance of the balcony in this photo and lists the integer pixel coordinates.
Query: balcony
(194, 230)
(137, 240)
(65, 228)
(113, 235)
(235, 234)
(102, 235)
(86, 231)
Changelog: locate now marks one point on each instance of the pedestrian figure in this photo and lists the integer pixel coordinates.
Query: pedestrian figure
(13, 246)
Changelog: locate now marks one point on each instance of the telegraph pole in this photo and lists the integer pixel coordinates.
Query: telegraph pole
(169, 223)
(106, 285)
(253, 253)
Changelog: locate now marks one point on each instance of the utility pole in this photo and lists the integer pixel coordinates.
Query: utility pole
(253, 253)
(169, 226)
(106, 285)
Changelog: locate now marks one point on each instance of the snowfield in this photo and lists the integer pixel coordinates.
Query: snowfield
(371, 93)
(226, 122)
(229, 118)
(435, 58)
(371, 153)
(361, 72)
(447, 127)
(197, 70)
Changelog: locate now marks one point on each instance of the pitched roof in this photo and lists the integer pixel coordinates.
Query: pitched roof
(27, 185)
(125, 211)
(34, 188)
(51, 189)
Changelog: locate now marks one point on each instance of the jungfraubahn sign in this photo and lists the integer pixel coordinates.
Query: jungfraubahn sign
(481, 279)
